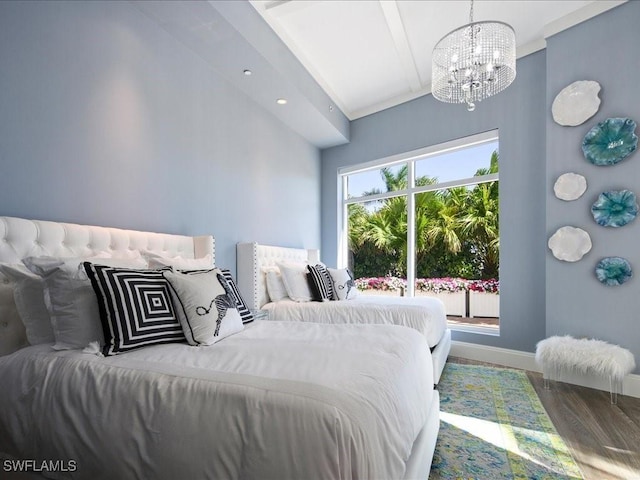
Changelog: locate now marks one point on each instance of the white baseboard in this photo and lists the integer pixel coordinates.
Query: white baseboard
(527, 361)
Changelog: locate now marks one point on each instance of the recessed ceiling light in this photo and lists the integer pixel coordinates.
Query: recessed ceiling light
(247, 72)
(281, 101)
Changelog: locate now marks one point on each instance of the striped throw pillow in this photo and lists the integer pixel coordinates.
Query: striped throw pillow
(245, 314)
(321, 281)
(135, 308)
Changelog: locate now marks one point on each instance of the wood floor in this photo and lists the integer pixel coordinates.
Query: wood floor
(604, 439)
(474, 321)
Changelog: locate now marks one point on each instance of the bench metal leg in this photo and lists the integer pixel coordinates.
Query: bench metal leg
(550, 372)
(615, 387)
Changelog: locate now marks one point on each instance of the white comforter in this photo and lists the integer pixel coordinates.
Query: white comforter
(278, 400)
(424, 314)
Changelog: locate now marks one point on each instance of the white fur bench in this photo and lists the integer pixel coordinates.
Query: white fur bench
(556, 354)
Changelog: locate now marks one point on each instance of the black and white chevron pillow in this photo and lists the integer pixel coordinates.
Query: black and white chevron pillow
(135, 308)
(321, 281)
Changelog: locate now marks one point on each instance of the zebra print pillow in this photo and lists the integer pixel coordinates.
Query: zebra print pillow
(135, 308)
(245, 313)
(205, 305)
(344, 286)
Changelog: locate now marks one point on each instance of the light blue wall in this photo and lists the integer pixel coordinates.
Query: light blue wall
(106, 119)
(540, 296)
(604, 49)
(519, 114)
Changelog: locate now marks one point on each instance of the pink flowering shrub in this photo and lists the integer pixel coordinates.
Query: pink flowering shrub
(433, 285)
(485, 286)
(438, 285)
(391, 284)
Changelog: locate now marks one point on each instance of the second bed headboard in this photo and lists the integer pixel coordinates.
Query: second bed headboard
(251, 258)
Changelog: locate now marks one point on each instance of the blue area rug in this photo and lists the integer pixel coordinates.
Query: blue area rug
(493, 426)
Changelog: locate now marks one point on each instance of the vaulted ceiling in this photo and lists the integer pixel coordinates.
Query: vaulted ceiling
(339, 60)
(372, 54)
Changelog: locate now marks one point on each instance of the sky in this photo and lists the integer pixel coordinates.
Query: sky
(445, 167)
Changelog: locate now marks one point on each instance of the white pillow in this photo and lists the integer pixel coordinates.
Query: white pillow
(344, 286)
(181, 263)
(275, 286)
(28, 295)
(205, 306)
(70, 298)
(294, 277)
(13, 335)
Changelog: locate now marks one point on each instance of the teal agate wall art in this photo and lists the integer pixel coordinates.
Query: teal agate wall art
(613, 271)
(615, 208)
(610, 141)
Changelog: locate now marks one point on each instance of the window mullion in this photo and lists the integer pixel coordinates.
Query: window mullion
(343, 219)
(411, 231)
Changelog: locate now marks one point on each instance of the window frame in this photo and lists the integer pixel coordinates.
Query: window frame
(410, 158)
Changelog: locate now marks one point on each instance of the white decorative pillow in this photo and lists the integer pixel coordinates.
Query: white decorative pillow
(70, 299)
(181, 263)
(275, 286)
(28, 295)
(205, 306)
(294, 277)
(13, 335)
(344, 286)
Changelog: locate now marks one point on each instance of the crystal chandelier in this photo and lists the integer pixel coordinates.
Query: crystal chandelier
(473, 62)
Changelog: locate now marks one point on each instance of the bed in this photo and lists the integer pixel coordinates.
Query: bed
(424, 314)
(274, 400)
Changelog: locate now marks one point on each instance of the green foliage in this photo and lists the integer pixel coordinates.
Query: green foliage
(457, 230)
(370, 261)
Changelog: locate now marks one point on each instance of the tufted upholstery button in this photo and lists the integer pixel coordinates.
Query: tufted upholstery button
(5, 281)
(5, 324)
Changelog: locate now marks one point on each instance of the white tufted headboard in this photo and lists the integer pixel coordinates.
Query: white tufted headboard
(21, 238)
(251, 258)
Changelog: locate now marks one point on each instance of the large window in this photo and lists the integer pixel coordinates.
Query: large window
(427, 223)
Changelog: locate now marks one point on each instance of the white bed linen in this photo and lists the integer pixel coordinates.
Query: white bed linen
(278, 400)
(424, 314)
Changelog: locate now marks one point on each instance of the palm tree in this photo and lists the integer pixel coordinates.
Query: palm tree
(358, 224)
(458, 223)
(443, 223)
(388, 232)
(395, 181)
(480, 223)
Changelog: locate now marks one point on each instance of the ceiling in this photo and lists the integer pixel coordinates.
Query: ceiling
(338, 60)
(368, 55)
